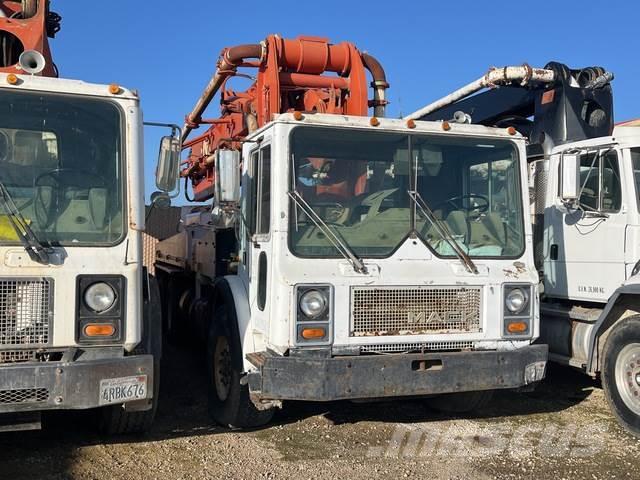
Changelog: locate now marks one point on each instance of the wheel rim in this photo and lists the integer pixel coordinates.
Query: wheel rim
(628, 376)
(222, 368)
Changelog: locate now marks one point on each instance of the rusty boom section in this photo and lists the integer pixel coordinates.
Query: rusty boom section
(306, 74)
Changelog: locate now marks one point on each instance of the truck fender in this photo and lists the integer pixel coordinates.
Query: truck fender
(231, 288)
(606, 320)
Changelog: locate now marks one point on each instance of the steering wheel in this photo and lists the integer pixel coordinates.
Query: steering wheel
(457, 204)
(336, 212)
(62, 178)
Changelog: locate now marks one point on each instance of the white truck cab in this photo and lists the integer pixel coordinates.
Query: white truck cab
(588, 193)
(370, 258)
(75, 331)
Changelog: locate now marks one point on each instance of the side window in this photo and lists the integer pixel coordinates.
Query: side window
(252, 210)
(611, 200)
(590, 180)
(265, 191)
(600, 182)
(635, 161)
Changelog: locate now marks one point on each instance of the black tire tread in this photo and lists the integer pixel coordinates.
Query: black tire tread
(117, 421)
(245, 414)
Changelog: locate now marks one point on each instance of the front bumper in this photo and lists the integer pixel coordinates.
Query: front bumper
(66, 384)
(397, 375)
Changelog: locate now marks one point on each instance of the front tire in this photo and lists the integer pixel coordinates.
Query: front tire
(229, 402)
(621, 373)
(462, 402)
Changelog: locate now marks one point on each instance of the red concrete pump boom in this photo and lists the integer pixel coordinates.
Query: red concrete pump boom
(306, 74)
(26, 25)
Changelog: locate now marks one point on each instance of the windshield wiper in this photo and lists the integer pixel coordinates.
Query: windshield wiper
(342, 246)
(37, 252)
(443, 230)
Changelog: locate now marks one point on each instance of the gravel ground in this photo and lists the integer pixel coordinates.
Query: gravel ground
(562, 430)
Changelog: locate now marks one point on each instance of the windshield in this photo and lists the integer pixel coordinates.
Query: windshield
(359, 183)
(60, 160)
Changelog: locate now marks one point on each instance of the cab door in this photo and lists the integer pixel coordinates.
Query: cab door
(259, 248)
(585, 246)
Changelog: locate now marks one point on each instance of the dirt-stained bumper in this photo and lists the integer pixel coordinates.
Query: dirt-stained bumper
(67, 385)
(398, 375)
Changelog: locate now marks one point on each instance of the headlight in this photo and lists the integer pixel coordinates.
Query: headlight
(314, 303)
(99, 297)
(516, 301)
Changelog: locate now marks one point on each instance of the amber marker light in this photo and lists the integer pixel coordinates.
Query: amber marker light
(517, 327)
(511, 131)
(114, 89)
(374, 122)
(298, 115)
(446, 126)
(99, 330)
(12, 79)
(411, 124)
(313, 333)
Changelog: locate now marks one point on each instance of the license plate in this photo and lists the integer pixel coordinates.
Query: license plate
(123, 389)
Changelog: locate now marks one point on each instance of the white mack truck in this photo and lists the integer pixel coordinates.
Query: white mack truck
(346, 256)
(79, 317)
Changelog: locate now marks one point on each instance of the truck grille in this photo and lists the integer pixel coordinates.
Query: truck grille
(17, 356)
(377, 311)
(416, 347)
(25, 311)
(24, 395)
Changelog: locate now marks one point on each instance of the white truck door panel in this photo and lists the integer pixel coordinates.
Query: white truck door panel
(260, 249)
(584, 249)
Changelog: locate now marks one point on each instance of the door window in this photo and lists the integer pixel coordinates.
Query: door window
(635, 161)
(259, 208)
(264, 195)
(600, 181)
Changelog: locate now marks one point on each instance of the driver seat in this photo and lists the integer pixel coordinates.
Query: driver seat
(488, 230)
(458, 225)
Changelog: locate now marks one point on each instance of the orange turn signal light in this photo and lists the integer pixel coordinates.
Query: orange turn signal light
(411, 124)
(446, 126)
(511, 131)
(99, 330)
(298, 115)
(374, 122)
(517, 327)
(114, 89)
(12, 79)
(313, 333)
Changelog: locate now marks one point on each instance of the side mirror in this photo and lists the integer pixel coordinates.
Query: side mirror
(161, 200)
(167, 170)
(570, 177)
(227, 176)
